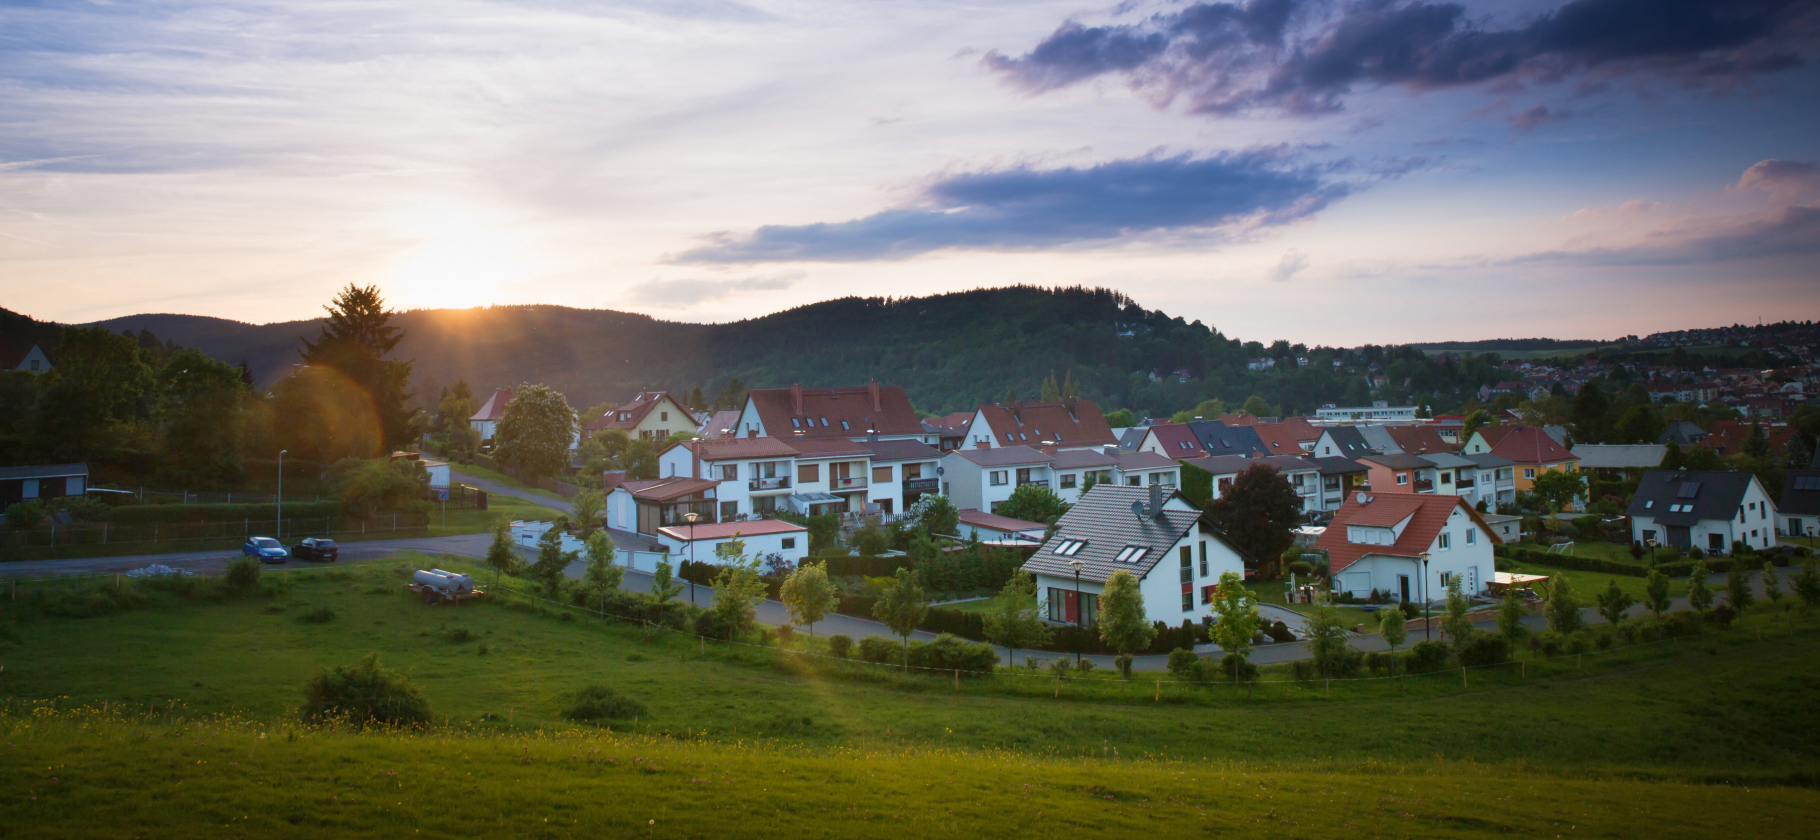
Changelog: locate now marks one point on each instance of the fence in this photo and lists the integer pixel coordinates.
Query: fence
(92, 538)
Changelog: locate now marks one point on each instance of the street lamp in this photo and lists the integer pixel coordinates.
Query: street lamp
(1080, 610)
(281, 494)
(692, 517)
(1425, 619)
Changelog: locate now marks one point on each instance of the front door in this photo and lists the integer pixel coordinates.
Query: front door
(1472, 580)
(1071, 603)
(1403, 585)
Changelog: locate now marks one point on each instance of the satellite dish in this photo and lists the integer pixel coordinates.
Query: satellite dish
(1137, 509)
(940, 470)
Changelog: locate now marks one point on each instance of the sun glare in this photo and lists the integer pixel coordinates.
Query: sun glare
(462, 258)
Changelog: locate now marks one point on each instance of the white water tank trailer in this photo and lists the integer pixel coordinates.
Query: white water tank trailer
(440, 585)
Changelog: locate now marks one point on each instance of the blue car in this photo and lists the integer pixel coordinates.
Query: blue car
(268, 550)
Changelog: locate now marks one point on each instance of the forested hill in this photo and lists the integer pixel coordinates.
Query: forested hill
(951, 352)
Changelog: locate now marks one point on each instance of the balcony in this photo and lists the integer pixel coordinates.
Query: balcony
(841, 485)
(1034, 482)
(1304, 490)
(1424, 485)
(759, 485)
(922, 485)
(1463, 484)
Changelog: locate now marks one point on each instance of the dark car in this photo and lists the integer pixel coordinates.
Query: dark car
(317, 549)
(266, 549)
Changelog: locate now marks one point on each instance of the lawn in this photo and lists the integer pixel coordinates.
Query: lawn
(478, 471)
(499, 509)
(1587, 585)
(733, 741)
(1276, 592)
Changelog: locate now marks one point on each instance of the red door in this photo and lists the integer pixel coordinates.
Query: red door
(1071, 601)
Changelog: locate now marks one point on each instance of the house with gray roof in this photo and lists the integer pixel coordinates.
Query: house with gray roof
(45, 481)
(1613, 459)
(1155, 534)
(1345, 442)
(1709, 510)
(982, 479)
(1799, 511)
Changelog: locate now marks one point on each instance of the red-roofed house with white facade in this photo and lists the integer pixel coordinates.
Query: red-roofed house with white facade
(1378, 541)
(762, 537)
(486, 420)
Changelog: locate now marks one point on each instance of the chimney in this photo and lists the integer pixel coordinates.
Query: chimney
(872, 390)
(796, 399)
(1156, 500)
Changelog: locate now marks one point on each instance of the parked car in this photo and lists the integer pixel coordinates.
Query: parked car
(318, 549)
(268, 550)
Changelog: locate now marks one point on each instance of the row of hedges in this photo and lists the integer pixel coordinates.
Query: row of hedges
(148, 514)
(946, 652)
(1583, 564)
(863, 565)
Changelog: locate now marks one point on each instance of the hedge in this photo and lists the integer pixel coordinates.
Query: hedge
(861, 565)
(148, 514)
(1583, 564)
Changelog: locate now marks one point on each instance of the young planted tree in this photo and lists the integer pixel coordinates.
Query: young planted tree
(902, 607)
(551, 561)
(1123, 625)
(1510, 616)
(737, 591)
(664, 587)
(1326, 636)
(602, 575)
(589, 504)
(535, 431)
(1772, 583)
(1456, 625)
(1391, 628)
(1013, 620)
(1737, 586)
(1699, 592)
(808, 595)
(1807, 584)
(1655, 592)
(1613, 602)
(1563, 608)
(500, 557)
(1235, 619)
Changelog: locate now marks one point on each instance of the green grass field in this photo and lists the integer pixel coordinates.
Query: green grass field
(494, 475)
(499, 509)
(1707, 736)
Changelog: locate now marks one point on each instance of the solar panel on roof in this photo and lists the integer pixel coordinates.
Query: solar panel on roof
(1689, 489)
(1807, 482)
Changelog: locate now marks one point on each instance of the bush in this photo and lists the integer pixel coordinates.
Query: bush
(710, 624)
(24, 515)
(320, 615)
(1380, 662)
(880, 649)
(1722, 615)
(1696, 554)
(1482, 648)
(1578, 642)
(460, 635)
(1232, 664)
(1430, 655)
(1345, 662)
(242, 576)
(1279, 632)
(1085, 666)
(784, 634)
(1182, 662)
(1546, 643)
(841, 644)
(366, 693)
(1301, 568)
(949, 652)
(598, 701)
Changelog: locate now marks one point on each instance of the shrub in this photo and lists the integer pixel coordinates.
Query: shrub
(1430, 655)
(712, 625)
(320, 615)
(598, 701)
(784, 633)
(879, 649)
(462, 634)
(1481, 648)
(949, 652)
(1380, 662)
(1182, 662)
(1578, 642)
(1279, 632)
(365, 692)
(24, 515)
(1722, 615)
(242, 576)
(1302, 568)
(1085, 666)
(1123, 662)
(1547, 643)
(841, 644)
(1232, 664)
(1347, 661)
(1696, 554)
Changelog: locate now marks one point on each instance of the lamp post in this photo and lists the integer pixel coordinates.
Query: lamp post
(281, 494)
(1425, 619)
(691, 517)
(1080, 611)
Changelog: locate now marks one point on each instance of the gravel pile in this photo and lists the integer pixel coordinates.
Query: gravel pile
(158, 570)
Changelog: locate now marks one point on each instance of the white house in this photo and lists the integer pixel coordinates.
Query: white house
(1073, 469)
(1142, 469)
(1378, 410)
(1707, 510)
(762, 538)
(832, 476)
(755, 474)
(30, 361)
(1069, 424)
(486, 420)
(903, 471)
(645, 505)
(1153, 533)
(1800, 506)
(798, 413)
(981, 479)
(1408, 545)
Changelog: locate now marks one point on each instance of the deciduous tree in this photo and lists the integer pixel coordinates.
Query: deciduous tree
(1123, 625)
(588, 506)
(602, 575)
(1613, 602)
(902, 607)
(1737, 585)
(808, 595)
(1563, 608)
(1235, 617)
(1033, 503)
(1013, 620)
(1772, 583)
(1656, 592)
(1699, 592)
(535, 431)
(1258, 513)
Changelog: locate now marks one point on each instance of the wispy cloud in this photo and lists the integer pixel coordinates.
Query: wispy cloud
(1023, 208)
(687, 292)
(1293, 262)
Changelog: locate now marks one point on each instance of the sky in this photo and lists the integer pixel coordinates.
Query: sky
(1325, 172)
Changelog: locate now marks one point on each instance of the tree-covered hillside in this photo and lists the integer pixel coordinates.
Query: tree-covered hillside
(951, 352)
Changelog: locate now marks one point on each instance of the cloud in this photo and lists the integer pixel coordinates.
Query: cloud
(1780, 177)
(1024, 208)
(681, 294)
(1539, 116)
(1792, 231)
(1306, 56)
(1293, 261)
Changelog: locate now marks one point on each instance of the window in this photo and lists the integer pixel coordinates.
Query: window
(1065, 481)
(1446, 540)
(1187, 577)
(1203, 558)
(806, 473)
(1023, 475)
(795, 424)
(1207, 593)
(1446, 478)
(824, 422)
(789, 542)
(996, 478)
(729, 472)
(884, 506)
(881, 475)
(1649, 534)
(1402, 478)
(729, 510)
(1134, 480)
(1069, 548)
(663, 415)
(1649, 504)
(1472, 536)
(843, 424)
(913, 471)
(1529, 472)
(1132, 553)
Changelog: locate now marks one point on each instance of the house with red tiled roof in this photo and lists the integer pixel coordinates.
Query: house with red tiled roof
(883, 412)
(950, 430)
(1530, 449)
(486, 419)
(1728, 437)
(30, 361)
(1418, 440)
(1407, 545)
(652, 416)
(1294, 436)
(1068, 424)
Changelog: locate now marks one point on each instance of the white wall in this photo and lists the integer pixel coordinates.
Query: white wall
(1162, 587)
(1473, 561)
(760, 544)
(1757, 525)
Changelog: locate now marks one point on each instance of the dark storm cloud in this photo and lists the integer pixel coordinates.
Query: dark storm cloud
(1303, 56)
(1030, 208)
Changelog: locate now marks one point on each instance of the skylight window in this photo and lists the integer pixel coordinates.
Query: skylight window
(1069, 548)
(1132, 553)
(795, 424)
(843, 424)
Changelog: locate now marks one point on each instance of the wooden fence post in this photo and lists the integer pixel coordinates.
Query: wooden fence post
(1159, 690)
(1462, 676)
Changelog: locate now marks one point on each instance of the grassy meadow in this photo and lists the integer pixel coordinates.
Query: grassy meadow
(181, 716)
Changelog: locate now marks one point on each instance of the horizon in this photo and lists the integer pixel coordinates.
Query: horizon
(1333, 174)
